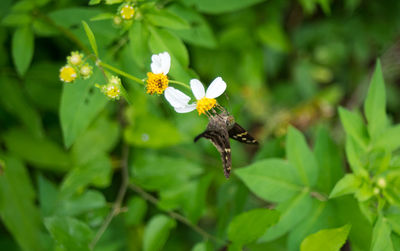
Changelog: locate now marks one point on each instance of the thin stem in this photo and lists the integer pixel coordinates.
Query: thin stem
(116, 209)
(179, 83)
(122, 73)
(153, 200)
(319, 196)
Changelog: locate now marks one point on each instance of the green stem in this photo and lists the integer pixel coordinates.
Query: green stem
(179, 83)
(122, 73)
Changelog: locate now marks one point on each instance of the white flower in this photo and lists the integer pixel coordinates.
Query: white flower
(205, 99)
(157, 80)
(160, 63)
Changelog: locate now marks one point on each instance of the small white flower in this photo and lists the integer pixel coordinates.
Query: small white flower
(157, 79)
(160, 63)
(205, 99)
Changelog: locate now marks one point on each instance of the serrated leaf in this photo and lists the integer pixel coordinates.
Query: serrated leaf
(327, 239)
(389, 139)
(292, 212)
(22, 49)
(354, 126)
(80, 104)
(249, 226)
(381, 236)
(375, 103)
(329, 161)
(91, 37)
(271, 179)
(301, 157)
(69, 233)
(350, 183)
(17, 205)
(156, 232)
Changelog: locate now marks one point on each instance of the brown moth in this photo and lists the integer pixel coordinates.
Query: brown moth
(220, 128)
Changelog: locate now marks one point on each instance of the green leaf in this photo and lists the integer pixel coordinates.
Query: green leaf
(354, 126)
(94, 2)
(40, 152)
(48, 196)
(138, 44)
(80, 104)
(322, 215)
(273, 35)
(381, 240)
(148, 174)
(271, 179)
(22, 49)
(394, 221)
(69, 233)
(355, 156)
(167, 19)
(292, 212)
(375, 104)
(137, 208)
(86, 202)
(329, 161)
(156, 232)
(152, 132)
(200, 32)
(190, 196)
(103, 134)
(17, 205)
(327, 239)
(301, 157)
(222, 6)
(17, 104)
(17, 20)
(389, 139)
(249, 226)
(163, 40)
(350, 183)
(96, 172)
(202, 246)
(92, 39)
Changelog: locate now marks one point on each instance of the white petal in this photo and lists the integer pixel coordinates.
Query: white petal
(160, 63)
(175, 97)
(185, 109)
(216, 88)
(197, 89)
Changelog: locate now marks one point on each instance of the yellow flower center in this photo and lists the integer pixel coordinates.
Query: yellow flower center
(112, 91)
(67, 74)
(127, 12)
(156, 83)
(205, 104)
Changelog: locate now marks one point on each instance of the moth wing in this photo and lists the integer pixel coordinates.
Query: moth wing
(220, 139)
(242, 135)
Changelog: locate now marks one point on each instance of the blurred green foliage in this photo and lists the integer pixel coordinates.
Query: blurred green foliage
(298, 74)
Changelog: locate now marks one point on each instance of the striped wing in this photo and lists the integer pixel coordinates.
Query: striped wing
(242, 135)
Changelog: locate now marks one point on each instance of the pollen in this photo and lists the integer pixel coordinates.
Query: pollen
(75, 58)
(67, 74)
(205, 104)
(156, 83)
(127, 12)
